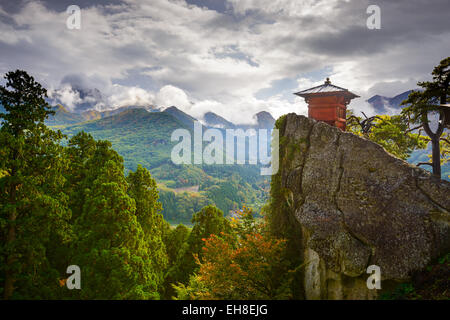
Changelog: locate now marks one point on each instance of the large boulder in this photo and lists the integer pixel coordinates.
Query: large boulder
(357, 206)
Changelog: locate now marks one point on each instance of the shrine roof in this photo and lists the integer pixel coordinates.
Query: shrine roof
(327, 87)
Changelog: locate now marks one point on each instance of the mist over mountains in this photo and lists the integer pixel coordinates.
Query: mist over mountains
(79, 99)
(76, 96)
(386, 105)
(75, 101)
(144, 137)
(82, 103)
(63, 116)
(262, 120)
(75, 104)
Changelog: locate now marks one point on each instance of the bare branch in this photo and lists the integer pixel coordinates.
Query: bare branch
(424, 164)
(353, 118)
(418, 127)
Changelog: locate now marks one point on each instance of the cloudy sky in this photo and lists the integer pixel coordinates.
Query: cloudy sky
(233, 57)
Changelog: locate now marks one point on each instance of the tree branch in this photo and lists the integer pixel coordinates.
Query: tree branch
(424, 164)
(441, 126)
(426, 126)
(418, 127)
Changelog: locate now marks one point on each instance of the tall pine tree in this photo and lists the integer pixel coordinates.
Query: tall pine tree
(110, 246)
(143, 189)
(33, 206)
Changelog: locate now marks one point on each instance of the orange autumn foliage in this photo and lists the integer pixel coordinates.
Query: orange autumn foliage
(247, 263)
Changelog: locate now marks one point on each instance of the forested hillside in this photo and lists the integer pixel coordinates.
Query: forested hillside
(66, 202)
(143, 138)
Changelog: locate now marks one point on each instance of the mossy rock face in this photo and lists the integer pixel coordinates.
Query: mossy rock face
(360, 206)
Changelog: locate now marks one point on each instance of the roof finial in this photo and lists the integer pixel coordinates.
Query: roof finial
(328, 81)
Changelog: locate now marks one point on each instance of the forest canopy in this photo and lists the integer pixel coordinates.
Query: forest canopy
(66, 204)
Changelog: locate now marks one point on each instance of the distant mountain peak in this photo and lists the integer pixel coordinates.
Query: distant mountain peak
(388, 105)
(375, 97)
(181, 116)
(265, 120)
(60, 108)
(175, 109)
(172, 108)
(212, 119)
(133, 111)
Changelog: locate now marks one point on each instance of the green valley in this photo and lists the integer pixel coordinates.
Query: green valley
(143, 137)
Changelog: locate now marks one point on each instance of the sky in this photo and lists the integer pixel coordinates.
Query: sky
(231, 57)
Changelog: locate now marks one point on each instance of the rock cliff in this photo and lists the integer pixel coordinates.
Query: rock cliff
(357, 206)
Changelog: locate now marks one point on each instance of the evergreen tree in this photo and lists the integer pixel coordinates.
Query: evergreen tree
(143, 189)
(87, 156)
(110, 246)
(33, 206)
(420, 103)
(176, 242)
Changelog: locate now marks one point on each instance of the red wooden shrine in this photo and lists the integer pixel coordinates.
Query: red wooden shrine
(328, 103)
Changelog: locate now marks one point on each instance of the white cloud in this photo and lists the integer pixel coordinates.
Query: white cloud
(172, 96)
(184, 53)
(247, 108)
(285, 7)
(68, 97)
(130, 96)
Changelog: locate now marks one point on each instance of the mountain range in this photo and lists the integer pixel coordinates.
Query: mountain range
(85, 111)
(144, 137)
(386, 105)
(63, 117)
